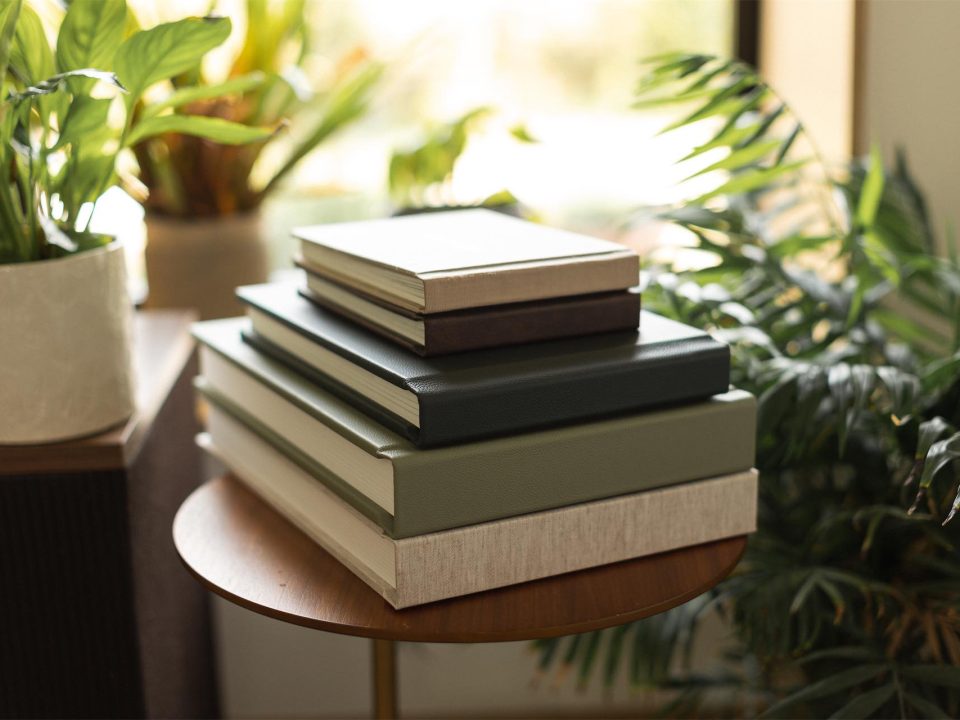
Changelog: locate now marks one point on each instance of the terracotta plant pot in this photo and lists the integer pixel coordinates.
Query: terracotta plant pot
(199, 263)
(65, 330)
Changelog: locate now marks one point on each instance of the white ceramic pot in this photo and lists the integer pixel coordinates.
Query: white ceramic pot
(199, 263)
(65, 347)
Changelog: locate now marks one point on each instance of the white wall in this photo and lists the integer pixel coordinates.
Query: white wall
(911, 95)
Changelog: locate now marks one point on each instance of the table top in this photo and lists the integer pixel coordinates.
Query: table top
(161, 348)
(240, 548)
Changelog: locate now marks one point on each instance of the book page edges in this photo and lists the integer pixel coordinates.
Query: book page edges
(533, 281)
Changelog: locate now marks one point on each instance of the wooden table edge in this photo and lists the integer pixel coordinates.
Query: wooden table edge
(465, 636)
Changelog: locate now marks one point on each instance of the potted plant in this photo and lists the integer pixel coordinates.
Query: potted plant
(203, 209)
(66, 118)
(843, 320)
(420, 179)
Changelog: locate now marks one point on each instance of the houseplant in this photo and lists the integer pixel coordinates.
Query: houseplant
(203, 208)
(843, 320)
(65, 119)
(420, 177)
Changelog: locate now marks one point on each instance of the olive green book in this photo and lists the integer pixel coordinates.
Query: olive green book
(435, 566)
(410, 491)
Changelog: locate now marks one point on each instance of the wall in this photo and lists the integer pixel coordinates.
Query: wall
(909, 93)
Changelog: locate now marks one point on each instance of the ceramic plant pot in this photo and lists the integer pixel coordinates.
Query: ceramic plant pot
(65, 347)
(198, 263)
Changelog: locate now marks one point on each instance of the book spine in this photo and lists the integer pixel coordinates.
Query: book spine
(481, 557)
(455, 291)
(464, 485)
(543, 399)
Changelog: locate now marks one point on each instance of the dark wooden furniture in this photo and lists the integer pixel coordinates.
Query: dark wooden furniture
(97, 616)
(238, 547)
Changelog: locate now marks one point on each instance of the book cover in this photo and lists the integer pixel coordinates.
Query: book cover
(485, 393)
(437, 262)
(411, 491)
(479, 328)
(436, 566)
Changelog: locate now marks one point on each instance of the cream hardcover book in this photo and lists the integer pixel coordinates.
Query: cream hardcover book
(435, 566)
(438, 262)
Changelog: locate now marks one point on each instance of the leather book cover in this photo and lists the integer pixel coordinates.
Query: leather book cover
(503, 325)
(441, 488)
(493, 392)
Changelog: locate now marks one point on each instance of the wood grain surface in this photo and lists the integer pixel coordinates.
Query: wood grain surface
(240, 548)
(161, 346)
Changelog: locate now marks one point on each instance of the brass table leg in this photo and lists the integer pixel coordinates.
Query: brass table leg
(384, 680)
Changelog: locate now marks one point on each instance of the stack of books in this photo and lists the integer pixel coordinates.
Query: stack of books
(459, 401)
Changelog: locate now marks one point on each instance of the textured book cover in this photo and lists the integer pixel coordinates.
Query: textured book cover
(428, 490)
(457, 398)
(435, 566)
(479, 328)
(437, 262)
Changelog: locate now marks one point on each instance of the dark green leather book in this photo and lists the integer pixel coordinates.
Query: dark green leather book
(411, 491)
(487, 393)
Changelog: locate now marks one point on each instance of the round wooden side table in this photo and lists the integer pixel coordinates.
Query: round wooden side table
(240, 548)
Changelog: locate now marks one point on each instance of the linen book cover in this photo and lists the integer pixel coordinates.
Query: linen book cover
(435, 566)
(411, 491)
(438, 262)
(479, 328)
(486, 393)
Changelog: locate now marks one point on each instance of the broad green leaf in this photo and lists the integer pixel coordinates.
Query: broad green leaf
(872, 191)
(865, 704)
(30, 57)
(828, 686)
(222, 131)
(90, 33)
(86, 116)
(9, 12)
(928, 433)
(183, 96)
(159, 53)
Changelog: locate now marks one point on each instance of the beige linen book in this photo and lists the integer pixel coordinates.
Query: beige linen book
(437, 262)
(435, 566)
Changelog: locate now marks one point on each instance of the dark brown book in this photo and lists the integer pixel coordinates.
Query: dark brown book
(477, 328)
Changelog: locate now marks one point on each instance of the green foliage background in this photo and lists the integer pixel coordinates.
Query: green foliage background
(844, 320)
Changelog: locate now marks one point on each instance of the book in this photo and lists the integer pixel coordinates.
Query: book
(410, 491)
(478, 328)
(457, 398)
(437, 262)
(435, 566)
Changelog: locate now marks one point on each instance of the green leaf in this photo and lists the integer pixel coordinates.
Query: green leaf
(752, 180)
(865, 704)
(90, 33)
(222, 131)
(9, 12)
(941, 454)
(872, 191)
(183, 96)
(927, 708)
(943, 675)
(86, 116)
(521, 133)
(828, 686)
(149, 56)
(738, 159)
(928, 433)
(30, 57)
